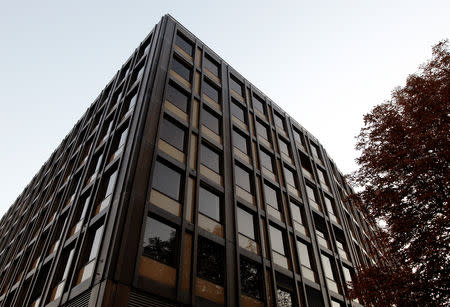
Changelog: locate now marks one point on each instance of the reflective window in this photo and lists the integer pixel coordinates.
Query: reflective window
(160, 242)
(262, 130)
(111, 183)
(211, 91)
(279, 121)
(250, 278)
(242, 178)
(177, 97)
(209, 204)
(285, 298)
(327, 269)
(289, 177)
(184, 44)
(245, 223)
(182, 69)
(211, 121)
(266, 160)
(96, 243)
(211, 65)
(277, 241)
(210, 158)
(167, 180)
(258, 104)
(296, 213)
(271, 196)
(284, 147)
(210, 262)
(172, 134)
(240, 142)
(303, 254)
(237, 111)
(236, 85)
(315, 151)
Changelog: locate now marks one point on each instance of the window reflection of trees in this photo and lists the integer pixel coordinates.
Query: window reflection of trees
(162, 250)
(250, 280)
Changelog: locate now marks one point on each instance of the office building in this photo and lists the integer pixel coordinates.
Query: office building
(182, 185)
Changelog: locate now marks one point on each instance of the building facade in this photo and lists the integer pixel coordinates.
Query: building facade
(182, 185)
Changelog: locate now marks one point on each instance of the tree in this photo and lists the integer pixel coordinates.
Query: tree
(403, 179)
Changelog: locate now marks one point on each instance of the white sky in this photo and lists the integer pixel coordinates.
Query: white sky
(325, 62)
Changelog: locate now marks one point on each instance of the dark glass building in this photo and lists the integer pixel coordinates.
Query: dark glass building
(182, 185)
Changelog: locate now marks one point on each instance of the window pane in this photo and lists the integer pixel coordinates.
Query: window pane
(236, 85)
(276, 239)
(284, 298)
(95, 244)
(258, 104)
(184, 44)
(237, 111)
(160, 242)
(250, 278)
(245, 223)
(303, 254)
(278, 120)
(284, 147)
(167, 180)
(210, 158)
(211, 91)
(295, 211)
(172, 134)
(327, 267)
(211, 65)
(261, 130)
(240, 142)
(111, 183)
(209, 204)
(211, 121)
(271, 196)
(242, 178)
(177, 98)
(266, 160)
(182, 69)
(210, 261)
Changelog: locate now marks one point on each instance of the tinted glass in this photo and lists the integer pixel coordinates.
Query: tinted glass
(262, 130)
(177, 98)
(303, 254)
(210, 262)
(160, 242)
(245, 223)
(211, 65)
(266, 160)
(271, 196)
(327, 267)
(237, 111)
(276, 239)
(95, 243)
(315, 151)
(167, 180)
(211, 91)
(172, 134)
(284, 147)
(240, 142)
(236, 85)
(209, 204)
(182, 69)
(289, 177)
(258, 104)
(296, 214)
(123, 138)
(184, 44)
(250, 278)
(242, 178)
(284, 298)
(311, 194)
(111, 183)
(210, 158)
(211, 121)
(278, 120)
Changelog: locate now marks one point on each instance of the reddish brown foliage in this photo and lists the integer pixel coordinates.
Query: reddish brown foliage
(404, 172)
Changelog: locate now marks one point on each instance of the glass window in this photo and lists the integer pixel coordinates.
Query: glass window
(277, 241)
(311, 194)
(123, 138)
(96, 243)
(279, 121)
(296, 213)
(327, 269)
(211, 91)
(242, 178)
(250, 278)
(172, 134)
(210, 158)
(285, 298)
(182, 69)
(166, 180)
(211, 121)
(245, 223)
(289, 177)
(322, 177)
(315, 151)
(298, 136)
(236, 85)
(258, 104)
(210, 262)
(111, 183)
(160, 242)
(284, 147)
(184, 44)
(209, 204)
(266, 160)
(304, 254)
(271, 196)
(240, 142)
(237, 111)
(262, 130)
(177, 98)
(347, 274)
(212, 65)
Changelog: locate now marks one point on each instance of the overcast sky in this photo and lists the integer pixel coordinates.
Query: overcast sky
(325, 62)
